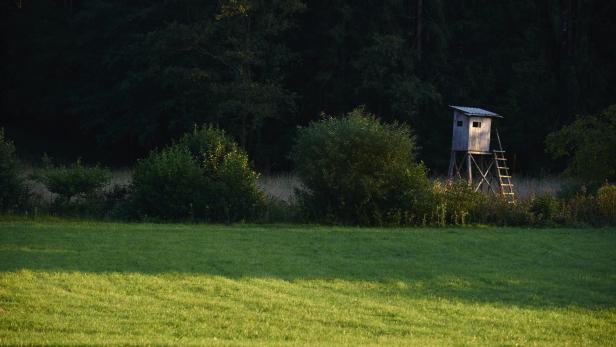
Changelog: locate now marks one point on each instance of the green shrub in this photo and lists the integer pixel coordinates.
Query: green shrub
(205, 176)
(280, 211)
(498, 210)
(357, 170)
(73, 181)
(606, 202)
(168, 184)
(117, 204)
(588, 144)
(12, 188)
(457, 204)
(545, 207)
(580, 209)
(233, 193)
(206, 141)
(231, 185)
(75, 185)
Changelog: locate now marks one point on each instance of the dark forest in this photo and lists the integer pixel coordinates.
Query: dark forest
(110, 80)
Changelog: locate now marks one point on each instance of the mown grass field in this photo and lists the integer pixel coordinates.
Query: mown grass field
(137, 284)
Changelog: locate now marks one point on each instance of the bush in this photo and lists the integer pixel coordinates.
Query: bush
(606, 202)
(280, 211)
(498, 210)
(12, 188)
(205, 176)
(457, 203)
(357, 170)
(168, 184)
(116, 203)
(207, 141)
(545, 208)
(588, 144)
(75, 185)
(580, 209)
(232, 193)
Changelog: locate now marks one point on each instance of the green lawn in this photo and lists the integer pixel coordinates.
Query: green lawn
(133, 284)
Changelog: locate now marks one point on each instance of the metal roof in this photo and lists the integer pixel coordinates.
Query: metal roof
(475, 111)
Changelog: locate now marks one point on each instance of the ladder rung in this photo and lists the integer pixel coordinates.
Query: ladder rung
(512, 193)
(501, 159)
(507, 184)
(498, 151)
(502, 167)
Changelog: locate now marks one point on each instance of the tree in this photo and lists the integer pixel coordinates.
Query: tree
(588, 144)
(202, 62)
(122, 77)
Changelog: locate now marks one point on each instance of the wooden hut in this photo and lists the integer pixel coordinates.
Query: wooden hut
(472, 150)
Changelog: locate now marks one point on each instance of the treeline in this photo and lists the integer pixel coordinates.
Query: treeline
(115, 79)
(354, 169)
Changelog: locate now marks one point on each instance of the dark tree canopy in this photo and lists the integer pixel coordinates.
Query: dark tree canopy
(589, 146)
(109, 80)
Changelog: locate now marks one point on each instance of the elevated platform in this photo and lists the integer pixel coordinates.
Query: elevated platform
(475, 152)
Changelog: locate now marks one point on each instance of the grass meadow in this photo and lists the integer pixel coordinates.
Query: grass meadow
(76, 283)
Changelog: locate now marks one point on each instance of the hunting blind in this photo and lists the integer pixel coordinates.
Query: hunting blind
(473, 155)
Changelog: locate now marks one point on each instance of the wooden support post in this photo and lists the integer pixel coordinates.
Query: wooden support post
(469, 167)
(452, 164)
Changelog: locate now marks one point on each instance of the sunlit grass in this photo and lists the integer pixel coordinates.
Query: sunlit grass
(118, 284)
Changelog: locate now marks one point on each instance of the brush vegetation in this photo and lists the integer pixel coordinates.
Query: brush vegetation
(205, 176)
(12, 189)
(359, 170)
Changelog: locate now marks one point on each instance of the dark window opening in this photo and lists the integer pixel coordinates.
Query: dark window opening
(460, 123)
(476, 124)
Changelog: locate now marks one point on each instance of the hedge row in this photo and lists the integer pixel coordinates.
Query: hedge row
(355, 170)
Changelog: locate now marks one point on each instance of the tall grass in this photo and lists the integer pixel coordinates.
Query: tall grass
(526, 187)
(282, 186)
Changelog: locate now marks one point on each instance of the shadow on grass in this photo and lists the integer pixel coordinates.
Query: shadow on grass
(538, 268)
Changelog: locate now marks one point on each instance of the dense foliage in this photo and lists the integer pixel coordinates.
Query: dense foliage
(457, 204)
(12, 189)
(358, 170)
(545, 207)
(167, 184)
(205, 176)
(606, 201)
(230, 182)
(128, 76)
(77, 189)
(73, 181)
(589, 145)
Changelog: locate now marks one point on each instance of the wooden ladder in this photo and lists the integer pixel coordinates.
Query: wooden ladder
(502, 171)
